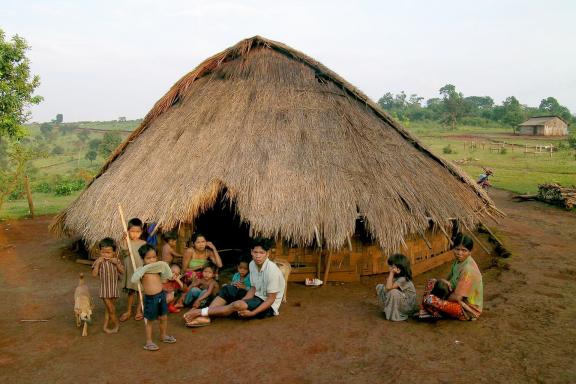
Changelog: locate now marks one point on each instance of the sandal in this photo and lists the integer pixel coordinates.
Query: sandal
(138, 317)
(125, 316)
(169, 339)
(198, 322)
(151, 347)
(173, 309)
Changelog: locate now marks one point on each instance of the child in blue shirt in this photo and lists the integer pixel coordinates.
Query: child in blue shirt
(241, 279)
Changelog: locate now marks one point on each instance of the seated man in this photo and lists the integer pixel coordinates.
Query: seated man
(262, 300)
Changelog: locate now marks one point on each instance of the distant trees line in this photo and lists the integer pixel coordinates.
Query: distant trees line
(452, 108)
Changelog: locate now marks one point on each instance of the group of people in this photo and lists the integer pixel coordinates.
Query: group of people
(256, 289)
(459, 296)
(258, 286)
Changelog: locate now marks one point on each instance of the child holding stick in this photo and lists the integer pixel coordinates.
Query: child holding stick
(135, 227)
(107, 267)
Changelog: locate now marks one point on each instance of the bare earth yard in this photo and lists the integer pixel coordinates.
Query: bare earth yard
(334, 334)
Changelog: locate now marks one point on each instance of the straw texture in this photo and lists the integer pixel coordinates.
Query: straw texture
(296, 146)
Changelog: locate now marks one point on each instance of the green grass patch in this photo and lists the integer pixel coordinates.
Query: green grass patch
(44, 204)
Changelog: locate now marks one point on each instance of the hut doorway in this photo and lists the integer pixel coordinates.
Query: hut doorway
(222, 226)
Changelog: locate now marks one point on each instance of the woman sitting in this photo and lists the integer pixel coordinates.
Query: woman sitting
(199, 252)
(466, 290)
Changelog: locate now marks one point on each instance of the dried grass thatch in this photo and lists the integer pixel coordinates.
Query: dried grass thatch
(296, 146)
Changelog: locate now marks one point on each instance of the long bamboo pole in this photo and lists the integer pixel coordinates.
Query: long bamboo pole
(125, 227)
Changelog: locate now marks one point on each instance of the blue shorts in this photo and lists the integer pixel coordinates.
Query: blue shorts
(155, 306)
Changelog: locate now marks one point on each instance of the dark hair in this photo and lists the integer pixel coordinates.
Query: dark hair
(170, 235)
(464, 241)
(135, 222)
(243, 261)
(143, 250)
(265, 243)
(441, 289)
(107, 242)
(210, 265)
(403, 264)
(195, 237)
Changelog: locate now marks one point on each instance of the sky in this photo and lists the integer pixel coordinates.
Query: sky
(99, 60)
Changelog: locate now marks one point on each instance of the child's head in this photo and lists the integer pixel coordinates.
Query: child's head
(198, 241)
(442, 289)
(135, 228)
(170, 237)
(402, 263)
(148, 254)
(208, 271)
(242, 267)
(107, 247)
(175, 268)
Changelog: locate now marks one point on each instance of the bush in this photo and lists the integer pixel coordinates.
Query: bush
(17, 193)
(67, 187)
(503, 151)
(572, 141)
(448, 150)
(58, 150)
(42, 187)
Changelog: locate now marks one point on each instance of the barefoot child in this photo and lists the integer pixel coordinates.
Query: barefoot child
(172, 288)
(107, 267)
(240, 284)
(398, 296)
(134, 233)
(155, 306)
(203, 290)
(169, 249)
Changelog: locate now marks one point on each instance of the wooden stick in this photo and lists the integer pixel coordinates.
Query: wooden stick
(484, 226)
(131, 256)
(425, 240)
(319, 264)
(33, 321)
(29, 196)
(446, 234)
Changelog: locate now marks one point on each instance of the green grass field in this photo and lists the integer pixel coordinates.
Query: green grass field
(513, 170)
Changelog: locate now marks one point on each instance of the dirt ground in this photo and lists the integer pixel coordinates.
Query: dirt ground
(334, 334)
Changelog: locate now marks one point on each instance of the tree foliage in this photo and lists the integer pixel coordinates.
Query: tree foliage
(110, 141)
(17, 86)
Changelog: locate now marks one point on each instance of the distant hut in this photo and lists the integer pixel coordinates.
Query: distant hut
(544, 126)
(261, 139)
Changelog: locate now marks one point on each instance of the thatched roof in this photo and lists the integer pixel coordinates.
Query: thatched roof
(540, 120)
(296, 146)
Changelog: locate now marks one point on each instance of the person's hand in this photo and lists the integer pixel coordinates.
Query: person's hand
(245, 313)
(240, 285)
(196, 304)
(210, 245)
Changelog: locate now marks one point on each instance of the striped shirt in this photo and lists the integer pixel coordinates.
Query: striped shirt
(108, 274)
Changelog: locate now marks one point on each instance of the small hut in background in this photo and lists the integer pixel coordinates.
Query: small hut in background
(544, 126)
(261, 139)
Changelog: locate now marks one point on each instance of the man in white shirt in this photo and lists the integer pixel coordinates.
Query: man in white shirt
(262, 300)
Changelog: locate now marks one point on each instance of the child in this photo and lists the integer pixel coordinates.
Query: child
(134, 233)
(168, 250)
(441, 289)
(398, 296)
(240, 284)
(107, 267)
(155, 306)
(202, 290)
(171, 287)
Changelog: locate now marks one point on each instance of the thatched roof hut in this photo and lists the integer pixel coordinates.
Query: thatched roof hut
(298, 149)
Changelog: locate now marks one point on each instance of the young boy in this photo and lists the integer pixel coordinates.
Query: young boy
(204, 289)
(155, 306)
(107, 267)
(134, 233)
(169, 249)
(240, 284)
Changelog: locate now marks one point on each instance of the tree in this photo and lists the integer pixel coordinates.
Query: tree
(551, 106)
(109, 143)
(58, 150)
(17, 86)
(83, 136)
(510, 113)
(46, 129)
(453, 105)
(94, 144)
(59, 118)
(91, 155)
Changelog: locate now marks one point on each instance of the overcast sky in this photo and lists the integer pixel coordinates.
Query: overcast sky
(99, 60)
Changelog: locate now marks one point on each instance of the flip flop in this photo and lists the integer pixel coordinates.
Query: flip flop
(169, 340)
(196, 324)
(138, 317)
(125, 316)
(151, 347)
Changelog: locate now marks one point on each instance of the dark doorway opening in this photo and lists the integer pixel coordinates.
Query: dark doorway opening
(222, 225)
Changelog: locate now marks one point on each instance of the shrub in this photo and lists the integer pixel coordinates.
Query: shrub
(572, 141)
(58, 150)
(503, 151)
(67, 187)
(448, 149)
(42, 187)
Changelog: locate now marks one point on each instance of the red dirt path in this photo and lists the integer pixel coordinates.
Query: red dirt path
(334, 334)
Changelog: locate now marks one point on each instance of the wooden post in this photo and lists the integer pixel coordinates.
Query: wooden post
(319, 263)
(29, 196)
(327, 268)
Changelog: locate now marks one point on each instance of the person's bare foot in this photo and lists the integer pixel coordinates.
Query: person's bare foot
(199, 322)
(138, 316)
(192, 314)
(125, 316)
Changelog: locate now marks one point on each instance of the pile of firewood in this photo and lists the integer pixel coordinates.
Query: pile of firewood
(558, 195)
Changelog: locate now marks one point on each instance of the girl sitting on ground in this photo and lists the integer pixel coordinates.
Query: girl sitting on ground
(201, 291)
(398, 296)
(199, 252)
(466, 298)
